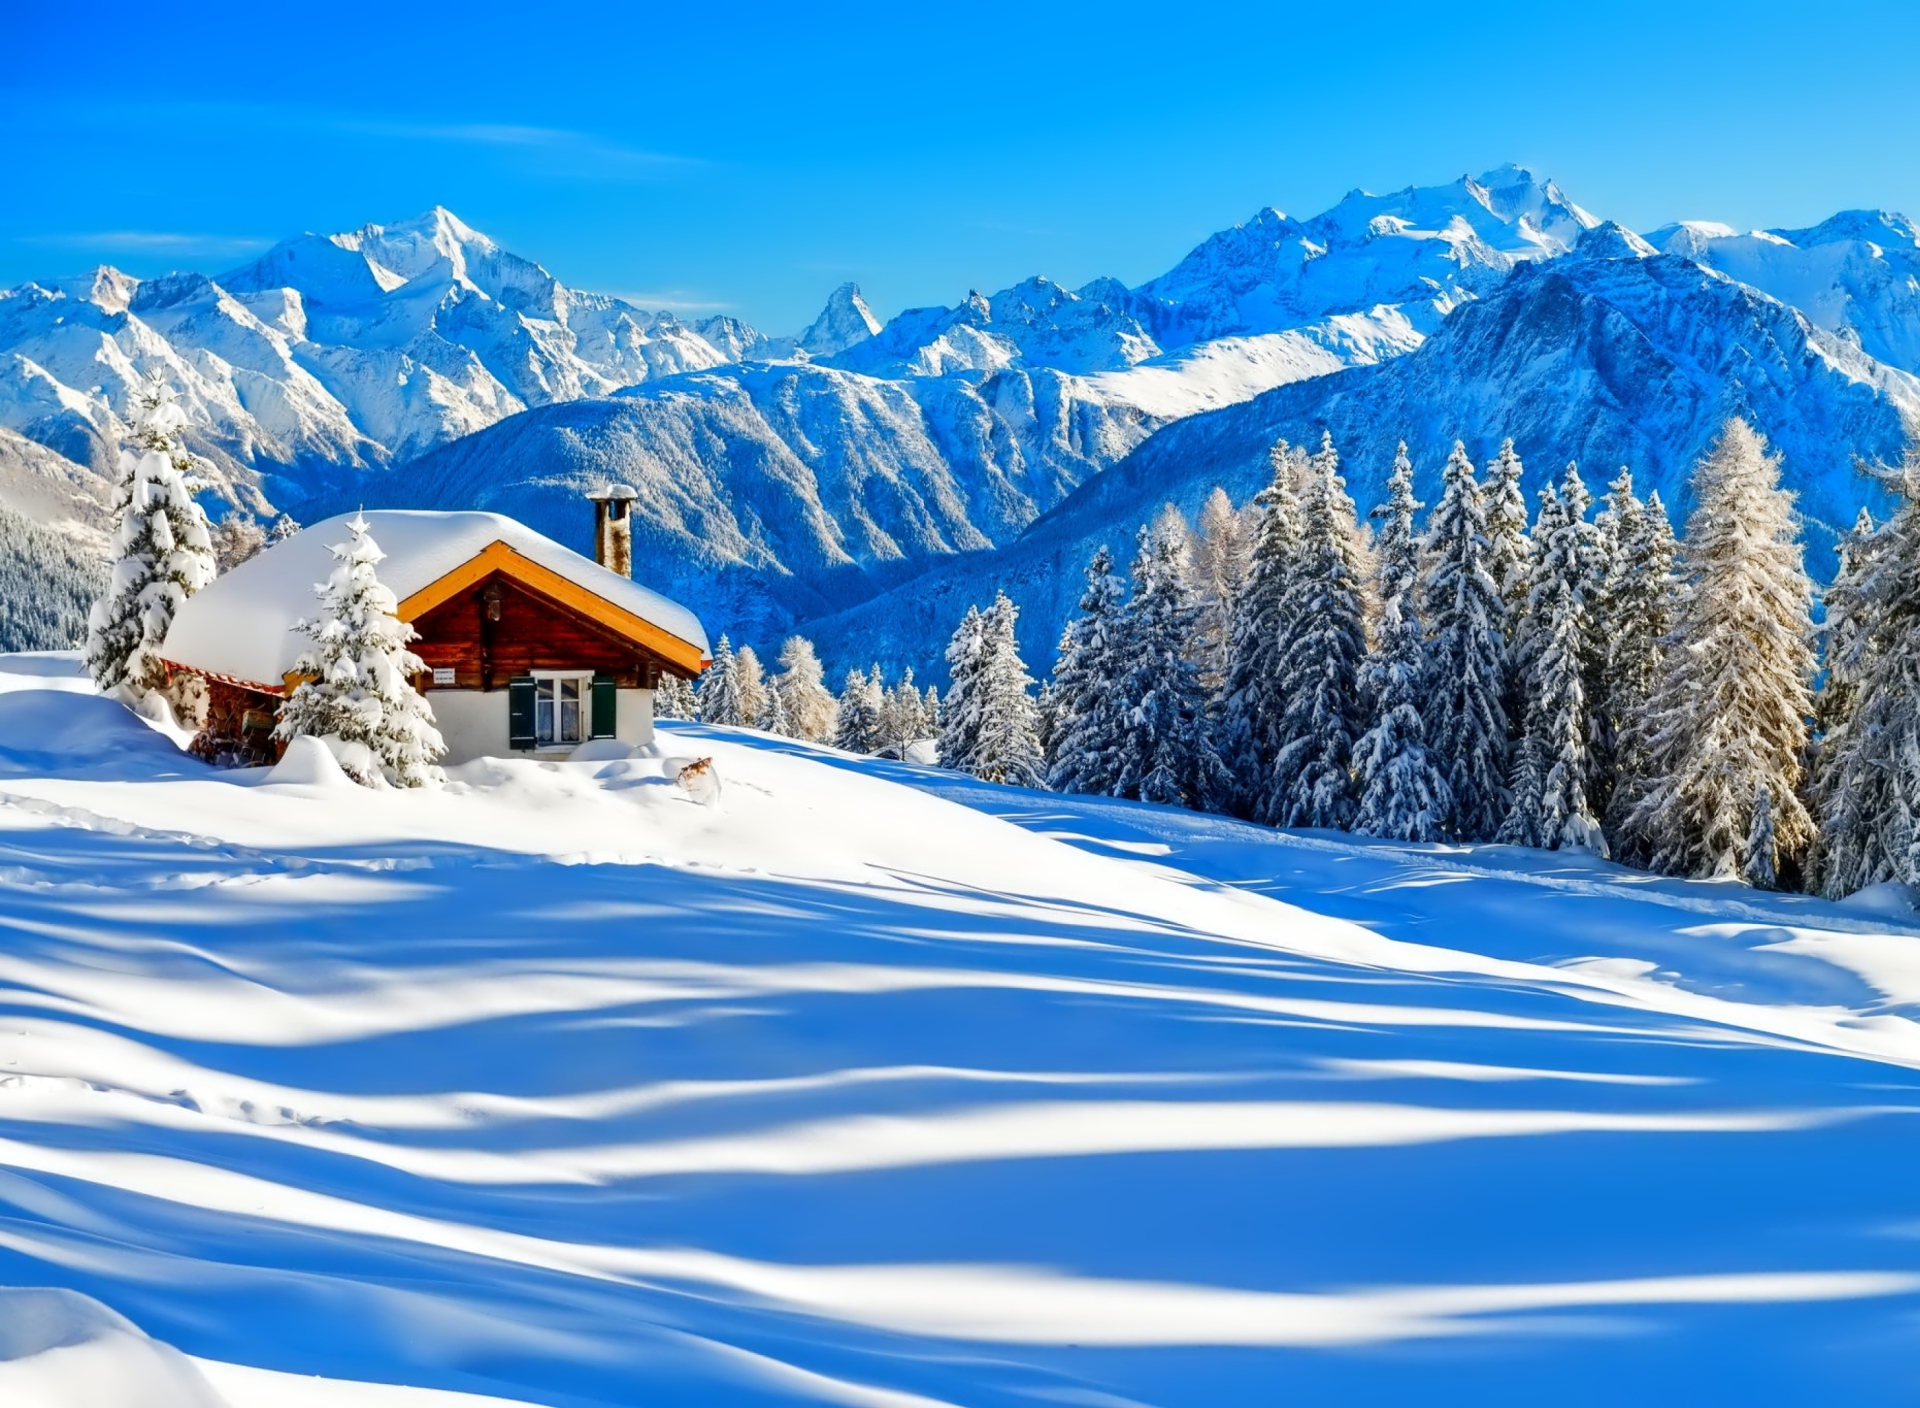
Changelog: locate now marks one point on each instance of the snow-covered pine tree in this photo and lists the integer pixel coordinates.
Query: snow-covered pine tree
(163, 553)
(1509, 548)
(1464, 611)
(673, 699)
(1869, 785)
(358, 696)
(1403, 794)
(901, 720)
(856, 722)
(774, 718)
(1761, 868)
(1007, 747)
(720, 697)
(1320, 657)
(283, 528)
(1162, 750)
(1087, 675)
(1558, 736)
(1848, 632)
(1641, 598)
(930, 710)
(1222, 558)
(809, 704)
(1728, 716)
(960, 713)
(753, 686)
(1252, 702)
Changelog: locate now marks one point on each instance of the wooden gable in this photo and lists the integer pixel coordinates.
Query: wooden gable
(495, 626)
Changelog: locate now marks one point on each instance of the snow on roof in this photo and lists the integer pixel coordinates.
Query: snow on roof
(241, 626)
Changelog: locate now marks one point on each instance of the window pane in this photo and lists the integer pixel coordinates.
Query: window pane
(543, 710)
(570, 711)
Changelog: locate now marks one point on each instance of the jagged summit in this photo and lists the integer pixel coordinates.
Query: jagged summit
(844, 322)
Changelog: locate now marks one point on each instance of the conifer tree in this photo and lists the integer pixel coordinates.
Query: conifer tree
(774, 719)
(960, 714)
(753, 686)
(1641, 598)
(902, 717)
(1162, 751)
(1087, 678)
(1402, 792)
(1007, 744)
(1728, 716)
(163, 554)
(1465, 716)
(804, 697)
(856, 723)
(1870, 767)
(1320, 657)
(235, 539)
(1222, 558)
(358, 696)
(1558, 739)
(1509, 549)
(1761, 867)
(721, 699)
(1253, 702)
(673, 699)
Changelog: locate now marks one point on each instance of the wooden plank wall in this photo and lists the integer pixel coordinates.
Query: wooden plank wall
(533, 632)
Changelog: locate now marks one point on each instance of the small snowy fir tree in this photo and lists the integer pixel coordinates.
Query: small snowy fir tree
(673, 699)
(1087, 675)
(1465, 713)
(960, 713)
(1162, 751)
(1728, 717)
(1848, 632)
(1007, 747)
(163, 554)
(283, 528)
(721, 700)
(1641, 598)
(1551, 806)
(1403, 794)
(801, 684)
(357, 696)
(902, 716)
(856, 720)
(1222, 558)
(1252, 702)
(1320, 657)
(1870, 768)
(753, 686)
(774, 718)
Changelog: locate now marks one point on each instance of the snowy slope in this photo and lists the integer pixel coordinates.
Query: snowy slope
(874, 1086)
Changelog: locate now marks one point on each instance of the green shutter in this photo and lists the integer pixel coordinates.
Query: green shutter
(606, 703)
(520, 712)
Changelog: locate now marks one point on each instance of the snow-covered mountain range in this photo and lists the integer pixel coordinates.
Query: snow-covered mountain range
(787, 478)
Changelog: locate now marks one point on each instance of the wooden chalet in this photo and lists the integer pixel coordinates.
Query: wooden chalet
(529, 647)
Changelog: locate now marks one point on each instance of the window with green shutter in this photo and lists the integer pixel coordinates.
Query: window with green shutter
(606, 704)
(520, 729)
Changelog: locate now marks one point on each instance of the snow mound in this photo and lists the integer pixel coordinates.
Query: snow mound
(60, 1349)
(1888, 897)
(308, 762)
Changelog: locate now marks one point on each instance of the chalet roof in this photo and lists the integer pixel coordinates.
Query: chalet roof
(241, 627)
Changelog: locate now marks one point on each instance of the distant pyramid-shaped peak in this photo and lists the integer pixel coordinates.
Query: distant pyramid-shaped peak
(845, 321)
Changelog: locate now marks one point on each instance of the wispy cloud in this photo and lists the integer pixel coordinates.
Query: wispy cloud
(671, 301)
(607, 156)
(167, 241)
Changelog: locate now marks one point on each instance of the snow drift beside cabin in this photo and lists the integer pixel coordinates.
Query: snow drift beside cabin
(241, 627)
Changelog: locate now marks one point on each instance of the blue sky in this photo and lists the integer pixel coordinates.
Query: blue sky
(748, 157)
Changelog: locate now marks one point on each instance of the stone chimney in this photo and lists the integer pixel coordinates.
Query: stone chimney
(613, 528)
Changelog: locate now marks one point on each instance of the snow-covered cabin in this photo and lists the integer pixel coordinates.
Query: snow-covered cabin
(529, 647)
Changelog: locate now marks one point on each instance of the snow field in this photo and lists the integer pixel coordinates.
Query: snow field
(871, 1084)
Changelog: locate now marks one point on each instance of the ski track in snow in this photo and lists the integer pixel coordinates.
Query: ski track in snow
(876, 1086)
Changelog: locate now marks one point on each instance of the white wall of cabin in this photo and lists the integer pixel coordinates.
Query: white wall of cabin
(474, 723)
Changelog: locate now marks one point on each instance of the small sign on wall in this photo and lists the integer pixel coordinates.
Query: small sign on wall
(443, 674)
